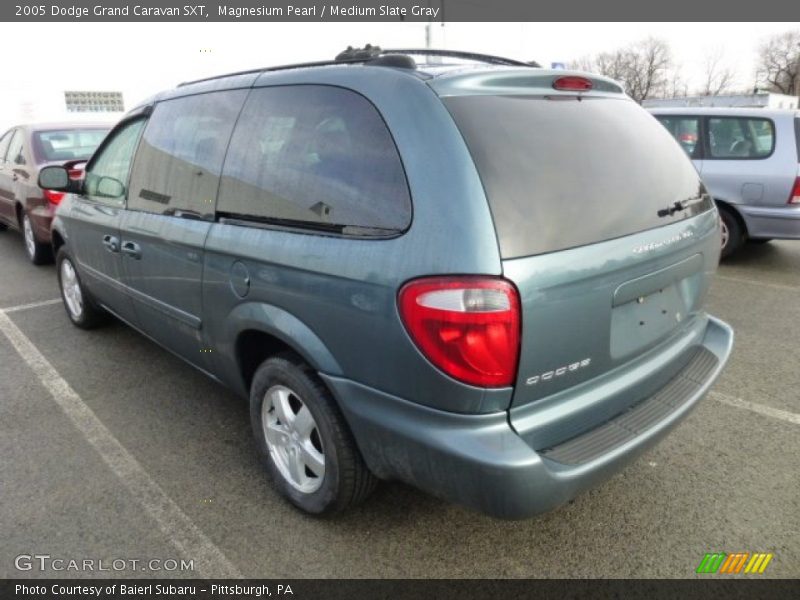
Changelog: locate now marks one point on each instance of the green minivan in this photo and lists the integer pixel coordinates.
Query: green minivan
(484, 279)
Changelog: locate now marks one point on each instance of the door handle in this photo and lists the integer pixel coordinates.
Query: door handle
(111, 243)
(132, 249)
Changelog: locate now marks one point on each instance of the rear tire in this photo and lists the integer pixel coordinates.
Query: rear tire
(732, 233)
(38, 252)
(303, 439)
(80, 307)
(3, 227)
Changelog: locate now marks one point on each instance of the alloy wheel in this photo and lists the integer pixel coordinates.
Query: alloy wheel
(293, 439)
(27, 232)
(73, 297)
(725, 233)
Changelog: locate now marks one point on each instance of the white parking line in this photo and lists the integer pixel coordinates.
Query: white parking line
(210, 562)
(775, 413)
(775, 286)
(12, 309)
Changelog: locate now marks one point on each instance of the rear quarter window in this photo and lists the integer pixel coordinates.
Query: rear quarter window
(740, 138)
(315, 157)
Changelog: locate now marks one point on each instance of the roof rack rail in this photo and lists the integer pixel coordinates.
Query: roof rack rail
(484, 58)
(375, 55)
(368, 52)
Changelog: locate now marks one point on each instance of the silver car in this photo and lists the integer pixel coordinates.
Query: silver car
(749, 160)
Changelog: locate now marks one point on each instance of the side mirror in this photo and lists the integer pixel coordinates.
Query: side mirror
(108, 187)
(54, 178)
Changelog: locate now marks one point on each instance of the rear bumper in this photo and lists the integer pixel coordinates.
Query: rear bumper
(480, 461)
(778, 222)
(41, 220)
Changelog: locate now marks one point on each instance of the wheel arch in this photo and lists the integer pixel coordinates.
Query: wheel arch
(19, 210)
(731, 208)
(57, 240)
(259, 330)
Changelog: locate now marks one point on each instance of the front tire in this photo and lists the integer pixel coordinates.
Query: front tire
(38, 253)
(81, 310)
(732, 233)
(303, 439)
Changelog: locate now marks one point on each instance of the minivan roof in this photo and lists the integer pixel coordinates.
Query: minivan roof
(480, 75)
(395, 58)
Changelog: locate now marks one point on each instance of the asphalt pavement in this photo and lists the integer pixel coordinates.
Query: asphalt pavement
(113, 449)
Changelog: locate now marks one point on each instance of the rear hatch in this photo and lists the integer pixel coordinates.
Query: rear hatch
(583, 190)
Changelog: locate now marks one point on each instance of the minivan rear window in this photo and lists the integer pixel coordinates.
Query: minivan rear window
(561, 172)
(66, 144)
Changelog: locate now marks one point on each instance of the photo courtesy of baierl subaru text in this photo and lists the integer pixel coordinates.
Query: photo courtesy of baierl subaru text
(447, 299)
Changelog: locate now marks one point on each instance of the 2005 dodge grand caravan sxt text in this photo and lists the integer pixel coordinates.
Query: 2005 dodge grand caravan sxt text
(485, 280)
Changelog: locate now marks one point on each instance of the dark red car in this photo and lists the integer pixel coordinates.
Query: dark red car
(24, 150)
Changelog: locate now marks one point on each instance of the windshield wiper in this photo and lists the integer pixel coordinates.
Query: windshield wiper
(682, 205)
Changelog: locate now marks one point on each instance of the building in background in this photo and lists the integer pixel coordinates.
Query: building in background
(756, 100)
(21, 105)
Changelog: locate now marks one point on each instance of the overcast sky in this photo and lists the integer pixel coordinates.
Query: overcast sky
(140, 59)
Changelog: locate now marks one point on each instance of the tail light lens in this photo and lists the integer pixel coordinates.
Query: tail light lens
(469, 327)
(794, 197)
(52, 197)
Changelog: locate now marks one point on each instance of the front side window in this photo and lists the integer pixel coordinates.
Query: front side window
(740, 137)
(107, 175)
(179, 160)
(315, 157)
(686, 131)
(4, 141)
(15, 154)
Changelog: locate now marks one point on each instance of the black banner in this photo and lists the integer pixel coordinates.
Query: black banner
(395, 10)
(313, 589)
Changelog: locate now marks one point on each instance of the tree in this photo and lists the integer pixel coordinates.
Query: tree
(779, 63)
(718, 77)
(676, 84)
(644, 68)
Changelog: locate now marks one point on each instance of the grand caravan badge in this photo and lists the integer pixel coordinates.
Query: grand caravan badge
(663, 243)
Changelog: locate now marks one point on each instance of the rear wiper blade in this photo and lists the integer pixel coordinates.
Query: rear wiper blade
(682, 205)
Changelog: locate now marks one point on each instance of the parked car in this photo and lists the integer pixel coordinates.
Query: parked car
(749, 159)
(24, 150)
(487, 281)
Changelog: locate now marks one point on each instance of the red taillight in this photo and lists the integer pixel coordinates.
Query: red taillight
(76, 174)
(53, 197)
(572, 83)
(794, 197)
(469, 327)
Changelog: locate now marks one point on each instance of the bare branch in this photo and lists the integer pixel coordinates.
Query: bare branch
(779, 63)
(718, 77)
(643, 67)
